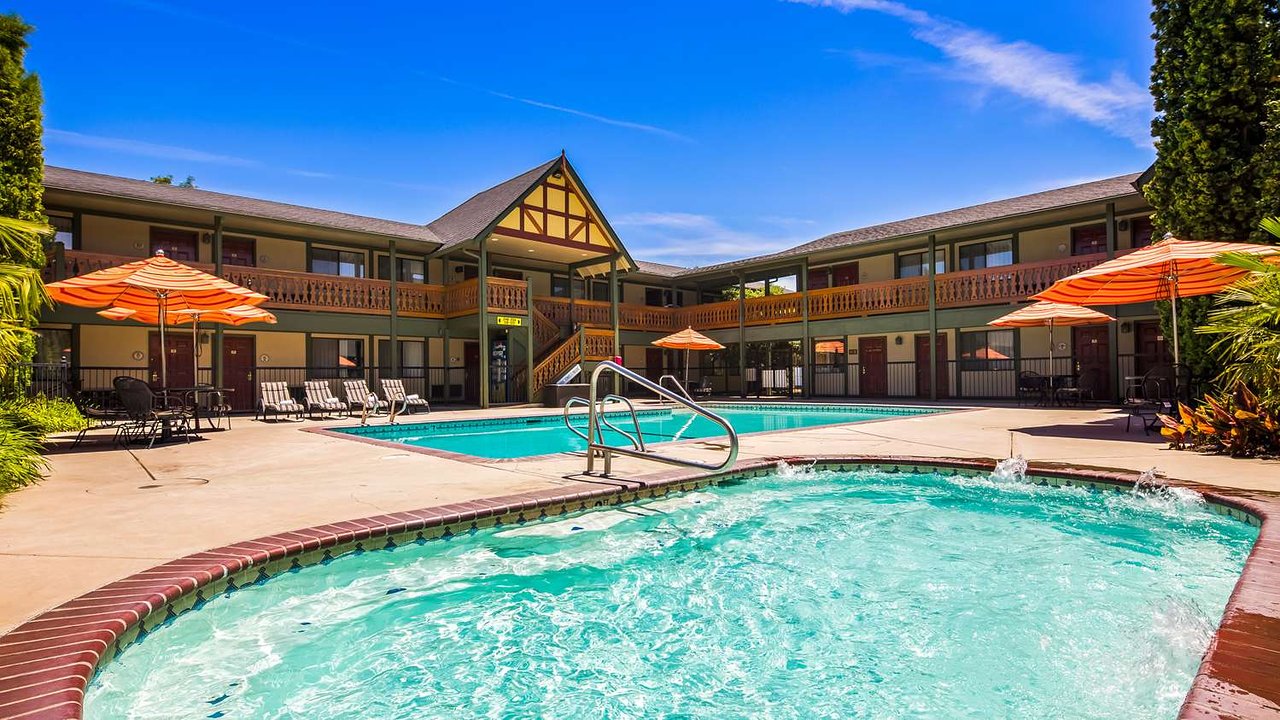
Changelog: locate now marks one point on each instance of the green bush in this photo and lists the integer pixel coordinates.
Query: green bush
(41, 415)
(20, 461)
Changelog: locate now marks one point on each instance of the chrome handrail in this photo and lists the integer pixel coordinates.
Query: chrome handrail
(679, 385)
(637, 441)
(607, 451)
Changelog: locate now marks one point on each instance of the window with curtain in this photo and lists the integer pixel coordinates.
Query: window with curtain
(916, 264)
(986, 350)
(993, 253)
(64, 230)
(409, 270)
(344, 263)
(413, 357)
(337, 357)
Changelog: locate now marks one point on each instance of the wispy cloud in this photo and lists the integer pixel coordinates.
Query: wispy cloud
(1055, 81)
(141, 148)
(691, 239)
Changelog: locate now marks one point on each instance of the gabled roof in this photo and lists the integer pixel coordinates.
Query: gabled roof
(90, 183)
(467, 221)
(660, 269)
(1083, 193)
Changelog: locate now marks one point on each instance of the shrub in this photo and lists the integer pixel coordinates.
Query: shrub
(41, 415)
(1236, 423)
(20, 461)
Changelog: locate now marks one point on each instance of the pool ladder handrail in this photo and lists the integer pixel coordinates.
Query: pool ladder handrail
(608, 451)
(637, 441)
(678, 385)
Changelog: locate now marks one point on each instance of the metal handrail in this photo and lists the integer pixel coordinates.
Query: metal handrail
(607, 451)
(637, 441)
(679, 385)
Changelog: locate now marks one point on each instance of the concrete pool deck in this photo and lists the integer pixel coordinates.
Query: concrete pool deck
(105, 513)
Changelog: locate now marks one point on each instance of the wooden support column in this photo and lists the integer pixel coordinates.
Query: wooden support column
(933, 317)
(806, 349)
(448, 364)
(742, 335)
(613, 318)
(215, 348)
(392, 296)
(531, 340)
(1113, 329)
(482, 316)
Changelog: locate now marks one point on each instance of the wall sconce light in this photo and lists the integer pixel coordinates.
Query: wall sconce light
(263, 259)
(137, 355)
(204, 338)
(1062, 248)
(897, 340)
(1123, 225)
(206, 238)
(1126, 327)
(137, 245)
(264, 358)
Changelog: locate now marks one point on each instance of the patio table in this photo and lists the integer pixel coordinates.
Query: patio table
(194, 393)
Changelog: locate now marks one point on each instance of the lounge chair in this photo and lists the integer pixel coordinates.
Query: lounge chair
(276, 399)
(393, 391)
(702, 388)
(150, 416)
(320, 398)
(359, 397)
(99, 413)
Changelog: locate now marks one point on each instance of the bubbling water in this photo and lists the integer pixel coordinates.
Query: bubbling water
(1012, 469)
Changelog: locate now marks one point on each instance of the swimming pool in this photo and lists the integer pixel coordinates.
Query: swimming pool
(800, 594)
(506, 438)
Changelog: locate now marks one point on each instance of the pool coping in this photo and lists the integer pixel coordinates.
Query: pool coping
(47, 662)
(339, 431)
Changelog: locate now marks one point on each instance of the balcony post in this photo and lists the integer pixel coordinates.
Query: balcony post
(215, 348)
(806, 351)
(482, 316)
(394, 313)
(613, 317)
(933, 317)
(531, 340)
(1113, 335)
(448, 361)
(742, 334)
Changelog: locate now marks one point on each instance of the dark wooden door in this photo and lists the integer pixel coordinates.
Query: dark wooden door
(179, 351)
(940, 374)
(842, 275)
(180, 245)
(873, 367)
(1089, 239)
(1092, 352)
(653, 365)
(239, 251)
(238, 375)
(819, 278)
(1150, 350)
(471, 366)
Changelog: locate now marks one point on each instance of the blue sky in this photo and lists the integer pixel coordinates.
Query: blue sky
(705, 130)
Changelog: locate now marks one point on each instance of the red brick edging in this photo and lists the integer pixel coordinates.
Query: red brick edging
(46, 663)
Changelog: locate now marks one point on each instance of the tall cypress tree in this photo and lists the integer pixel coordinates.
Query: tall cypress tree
(1213, 81)
(21, 167)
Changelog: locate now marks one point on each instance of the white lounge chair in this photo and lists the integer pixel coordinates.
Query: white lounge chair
(393, 391)
(276, 399)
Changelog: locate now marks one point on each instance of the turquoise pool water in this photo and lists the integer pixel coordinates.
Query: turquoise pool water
(801, 595)
(506, 438)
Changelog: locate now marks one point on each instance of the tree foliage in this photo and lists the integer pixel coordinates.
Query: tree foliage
(1217, 168)
(190, 182)
(21, 127)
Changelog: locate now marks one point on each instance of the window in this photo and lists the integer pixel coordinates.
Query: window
(661, 297)
(915, 264)
(1143, 233)
(559, 286)
(506, 274)
(337, 357)
(993, 253)
(986, 350)
(1089, 239)
(53, 346)
(64, 230)
(413, 357)
(600, 290)
(410, 270)
(344, 263)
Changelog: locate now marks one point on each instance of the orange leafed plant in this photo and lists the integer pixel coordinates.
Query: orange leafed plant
(1237, 423)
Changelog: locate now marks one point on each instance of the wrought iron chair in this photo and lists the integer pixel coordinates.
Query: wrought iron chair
(150, 416)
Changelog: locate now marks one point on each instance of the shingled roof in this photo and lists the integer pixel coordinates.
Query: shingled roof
(662, 269)
(1083, 193)
(112, 186)
(468, 220)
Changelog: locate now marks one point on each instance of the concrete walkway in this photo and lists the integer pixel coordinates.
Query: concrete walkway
(105, 513)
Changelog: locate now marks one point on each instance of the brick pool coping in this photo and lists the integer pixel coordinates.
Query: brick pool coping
(47, 662)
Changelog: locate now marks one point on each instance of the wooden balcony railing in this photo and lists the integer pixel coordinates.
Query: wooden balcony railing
(289, 289)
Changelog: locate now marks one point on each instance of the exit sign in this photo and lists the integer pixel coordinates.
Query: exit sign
(510, 321)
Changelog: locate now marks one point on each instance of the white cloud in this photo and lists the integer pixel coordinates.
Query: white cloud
(145, 149)
(691, 240)
(1054, 80)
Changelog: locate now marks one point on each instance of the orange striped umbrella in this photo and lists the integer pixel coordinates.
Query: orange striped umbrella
(1049, 314)
(238, 315)
(687, 339)
(1168, 270)
(153, 285)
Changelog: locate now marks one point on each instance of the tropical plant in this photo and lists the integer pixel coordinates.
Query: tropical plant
(1237, 423)
(1246, 323)
(22, 294)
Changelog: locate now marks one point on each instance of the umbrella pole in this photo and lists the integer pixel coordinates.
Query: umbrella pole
(1050, 347)
(195, 350)
(686, 368)
(164, 358)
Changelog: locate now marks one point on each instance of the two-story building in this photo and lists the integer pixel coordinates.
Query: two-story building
(508, 291)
